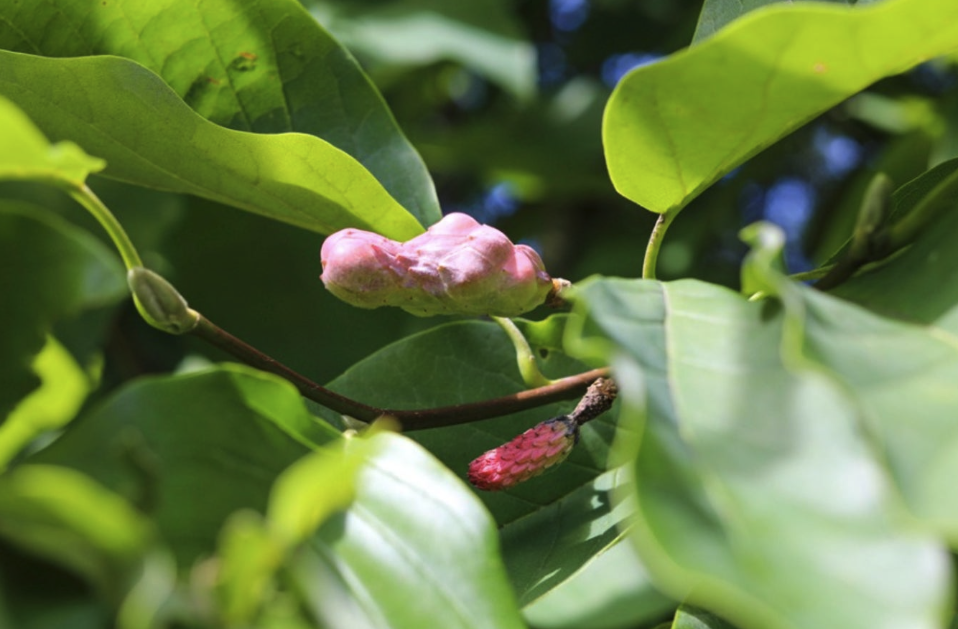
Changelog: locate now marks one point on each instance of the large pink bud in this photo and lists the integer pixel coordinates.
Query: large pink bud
(360, 267)
(456, 267)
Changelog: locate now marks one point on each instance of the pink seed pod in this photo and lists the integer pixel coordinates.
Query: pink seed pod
(456, 267)
(526, 456)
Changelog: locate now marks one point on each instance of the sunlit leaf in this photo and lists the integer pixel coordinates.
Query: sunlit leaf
(26, 154)
(67, 517)
(415, 549)
(673, 128)
(759, 497)
(717, 13)
(190, 450)
(265, 67)
(64, 386)
(101, 103)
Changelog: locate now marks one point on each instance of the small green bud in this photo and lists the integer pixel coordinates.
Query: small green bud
(159, 303)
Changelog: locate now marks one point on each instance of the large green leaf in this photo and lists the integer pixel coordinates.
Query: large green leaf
(484, 37)
(908, 402)
(68, 518)
(26, 154)
(673, 128)
(102, 103)
(49, 271)
(759, 495)
(613, 591)
(543, 518)
(265, 67)
(190, 450)
(717, 13)
(415, 549)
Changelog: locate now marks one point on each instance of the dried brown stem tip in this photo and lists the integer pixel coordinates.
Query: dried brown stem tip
(542, 446)
(598, 399)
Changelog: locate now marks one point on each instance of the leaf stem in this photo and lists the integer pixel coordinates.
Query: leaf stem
(561, 389)
(655, 243)
(82, 194)
(525, 358)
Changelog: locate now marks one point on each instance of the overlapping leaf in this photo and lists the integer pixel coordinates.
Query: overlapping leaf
(759, 494)
(673, 128)
(190, 450)
(415, 549)
(717, 13)
(265, 67)
(49, 271)
(562, 518)
(101, 103)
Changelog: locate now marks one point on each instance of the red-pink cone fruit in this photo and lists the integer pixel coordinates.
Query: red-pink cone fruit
(456, 267)
(528, 455)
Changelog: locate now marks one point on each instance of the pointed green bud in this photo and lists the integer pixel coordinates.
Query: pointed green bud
(159, 303)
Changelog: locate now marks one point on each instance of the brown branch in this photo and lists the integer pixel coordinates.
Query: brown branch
(562, 389)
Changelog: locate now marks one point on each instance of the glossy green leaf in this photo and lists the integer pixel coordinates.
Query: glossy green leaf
(190, 450)
(49, 271)
(717, 13)
(759, 495)
(65, 516)
(673, 128)
(416, 549)
(64, 385)
(101, 103)
(265, 67)
(485, 38)
(613, 591)
(689, 617)
(26, 154)
(912, 285)
(907, 403)
(544, 517)
(252, 549)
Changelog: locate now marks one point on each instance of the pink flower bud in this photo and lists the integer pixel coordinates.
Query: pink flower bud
(360, 267)
(456, 267)
(526, 456)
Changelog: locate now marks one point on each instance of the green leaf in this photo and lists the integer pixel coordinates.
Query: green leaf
(689, 617)
(265, 67)
(26, 154)
(416, 549)
(717, 13)
(304, 496)
(485, 38)
(759, 496)
(907, 403)
(64, 386)
(613, 591)
(190, 450)
(102, 103)
(70, 519)
(673, 128)
(49, 271)
(470, 361)
(909, 286)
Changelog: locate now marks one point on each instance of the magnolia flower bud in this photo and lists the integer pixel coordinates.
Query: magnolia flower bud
(456, 267)
(526, 456)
